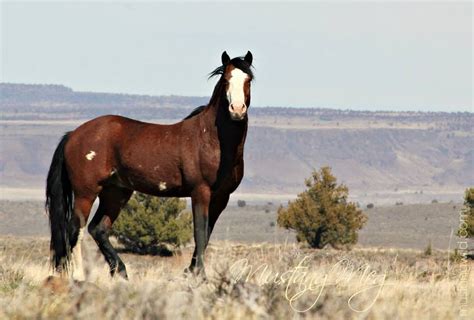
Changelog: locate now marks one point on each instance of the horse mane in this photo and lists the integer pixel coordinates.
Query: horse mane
(195, 112)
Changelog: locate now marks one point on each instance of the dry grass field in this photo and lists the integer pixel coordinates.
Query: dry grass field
(255, 271)
(245, 281)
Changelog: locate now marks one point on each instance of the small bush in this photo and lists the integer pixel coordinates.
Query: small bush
(370, 206)
(322, 215)
(10, 279)
(146, 224)
(428, 250)
(434, 201)
(466, 229)
(399, 203)
(241, 203)
(456, 256)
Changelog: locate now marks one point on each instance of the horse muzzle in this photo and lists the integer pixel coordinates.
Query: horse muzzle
(237, 112)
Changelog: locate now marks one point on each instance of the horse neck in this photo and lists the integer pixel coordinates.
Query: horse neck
(231, 134)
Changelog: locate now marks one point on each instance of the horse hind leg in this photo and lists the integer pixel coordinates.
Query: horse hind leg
(82, 208)
(112, 199)
(78, 267)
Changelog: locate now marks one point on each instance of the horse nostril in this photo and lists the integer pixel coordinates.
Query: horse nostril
(232, 106)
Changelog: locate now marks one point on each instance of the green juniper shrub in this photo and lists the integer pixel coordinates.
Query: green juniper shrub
(321, 215)
(466, 225)
(149, 224)
(466, 229)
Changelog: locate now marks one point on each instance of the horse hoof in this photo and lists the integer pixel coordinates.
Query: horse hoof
(120, 273)
(198, 272)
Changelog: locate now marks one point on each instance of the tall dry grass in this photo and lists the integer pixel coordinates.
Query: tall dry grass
(261, 281)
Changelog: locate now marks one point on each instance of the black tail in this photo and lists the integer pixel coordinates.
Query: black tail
(59, 204)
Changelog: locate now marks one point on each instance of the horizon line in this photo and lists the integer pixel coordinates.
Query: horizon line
(334, 108)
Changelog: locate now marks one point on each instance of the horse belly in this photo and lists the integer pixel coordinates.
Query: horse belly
(156, 180)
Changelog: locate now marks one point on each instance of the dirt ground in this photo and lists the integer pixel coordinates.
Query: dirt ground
(402, 226)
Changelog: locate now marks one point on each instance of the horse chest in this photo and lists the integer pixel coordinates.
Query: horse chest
(231, 178)
(228, 175)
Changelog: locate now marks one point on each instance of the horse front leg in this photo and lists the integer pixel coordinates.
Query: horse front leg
(200, 201)
(217, 205)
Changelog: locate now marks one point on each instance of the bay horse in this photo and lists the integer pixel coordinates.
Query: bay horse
(111, 156)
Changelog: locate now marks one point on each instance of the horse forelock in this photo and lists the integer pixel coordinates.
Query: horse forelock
(238, 63)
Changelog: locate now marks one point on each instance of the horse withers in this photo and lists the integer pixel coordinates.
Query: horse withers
(111, 156)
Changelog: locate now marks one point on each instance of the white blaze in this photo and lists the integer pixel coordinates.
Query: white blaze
(235, 91)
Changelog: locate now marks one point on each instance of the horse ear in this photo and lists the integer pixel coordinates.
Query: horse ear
(225, 58)
(249, 57)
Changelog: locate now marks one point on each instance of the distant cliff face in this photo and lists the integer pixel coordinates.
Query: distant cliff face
(369, 151)
(365, 159)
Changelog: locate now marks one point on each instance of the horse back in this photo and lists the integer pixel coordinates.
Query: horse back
(118, 150)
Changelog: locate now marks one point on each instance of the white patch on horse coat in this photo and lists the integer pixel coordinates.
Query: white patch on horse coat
(78, 268)
(235, 91)
(162, 186)
(90, 155)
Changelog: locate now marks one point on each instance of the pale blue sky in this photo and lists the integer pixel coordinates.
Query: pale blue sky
(362, 55)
